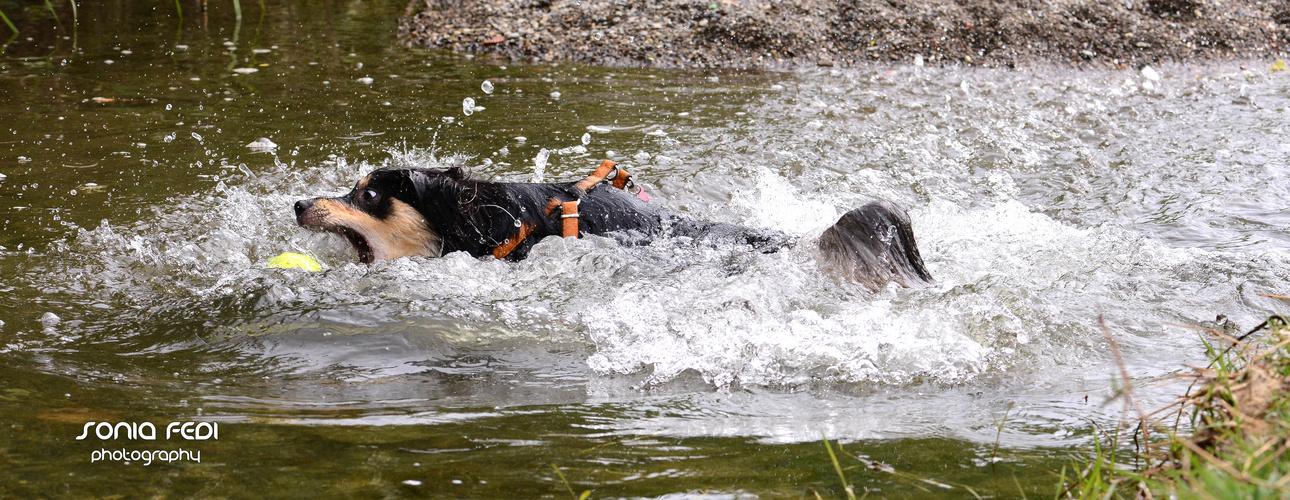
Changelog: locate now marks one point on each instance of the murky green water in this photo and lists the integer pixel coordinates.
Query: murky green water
(135, 222)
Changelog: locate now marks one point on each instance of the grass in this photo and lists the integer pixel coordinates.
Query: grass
(994, 454)
(9, 23)
(1238, 408)
(569, 487)
(851, 494)
(49, 4)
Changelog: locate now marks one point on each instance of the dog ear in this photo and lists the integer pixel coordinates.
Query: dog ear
(420, 182)
(456, 173)
(426, 180)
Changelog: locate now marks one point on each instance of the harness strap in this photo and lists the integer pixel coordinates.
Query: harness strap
(569, 209)
(621, 179)
(594, 179)
(569, 219)
(511, 243)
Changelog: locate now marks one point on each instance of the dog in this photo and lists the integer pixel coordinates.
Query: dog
(401, 212)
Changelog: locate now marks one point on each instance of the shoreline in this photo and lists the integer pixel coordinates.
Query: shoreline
(770, 34)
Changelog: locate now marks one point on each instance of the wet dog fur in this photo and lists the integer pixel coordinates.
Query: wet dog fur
(400, 212)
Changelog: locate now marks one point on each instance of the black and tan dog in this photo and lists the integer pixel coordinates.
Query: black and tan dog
(398, 212)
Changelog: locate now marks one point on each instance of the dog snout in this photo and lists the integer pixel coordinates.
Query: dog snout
(301, 207)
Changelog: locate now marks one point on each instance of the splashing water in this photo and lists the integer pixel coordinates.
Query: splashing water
(539, 165)
(1035, 206)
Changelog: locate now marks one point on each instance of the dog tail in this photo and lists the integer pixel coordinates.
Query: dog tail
(874, 245)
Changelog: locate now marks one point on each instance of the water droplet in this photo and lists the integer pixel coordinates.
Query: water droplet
(198, 137)
(468, 106)
(168, 138)
(366, 80)
(262, 144)
(539, 165)
(49, 319)
(487, 87)
(555, 95)
(586, 139)
(168, 107)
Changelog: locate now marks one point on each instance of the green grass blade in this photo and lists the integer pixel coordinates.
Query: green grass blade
(237, 8)
(568, 487)
(9, 23)
(851, 495)
(999, 433)
(50, 5)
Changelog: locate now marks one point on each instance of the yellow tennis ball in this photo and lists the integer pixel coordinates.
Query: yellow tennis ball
(295, 260)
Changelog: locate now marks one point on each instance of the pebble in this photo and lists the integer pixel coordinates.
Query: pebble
(776, 34)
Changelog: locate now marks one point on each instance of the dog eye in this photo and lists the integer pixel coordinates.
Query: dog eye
(368, 196)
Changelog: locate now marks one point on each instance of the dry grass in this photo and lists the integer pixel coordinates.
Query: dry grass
(1240, 441)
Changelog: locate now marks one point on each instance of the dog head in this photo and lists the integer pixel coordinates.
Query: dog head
(382, 217)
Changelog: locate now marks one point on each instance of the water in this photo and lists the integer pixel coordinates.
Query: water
(135, 230)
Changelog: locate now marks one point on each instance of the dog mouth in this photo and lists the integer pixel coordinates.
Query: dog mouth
(359, 243)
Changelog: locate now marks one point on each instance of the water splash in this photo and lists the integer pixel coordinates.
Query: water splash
(539, 165)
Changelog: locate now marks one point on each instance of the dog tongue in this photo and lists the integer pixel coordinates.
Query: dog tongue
(643, 195)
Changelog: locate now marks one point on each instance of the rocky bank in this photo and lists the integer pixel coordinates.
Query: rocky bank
(788, 33)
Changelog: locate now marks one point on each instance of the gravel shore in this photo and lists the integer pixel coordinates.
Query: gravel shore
(794, 33)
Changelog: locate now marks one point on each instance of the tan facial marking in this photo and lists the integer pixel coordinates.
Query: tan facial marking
(405, 232)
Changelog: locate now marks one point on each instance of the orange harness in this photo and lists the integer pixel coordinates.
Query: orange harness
(618, 177)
